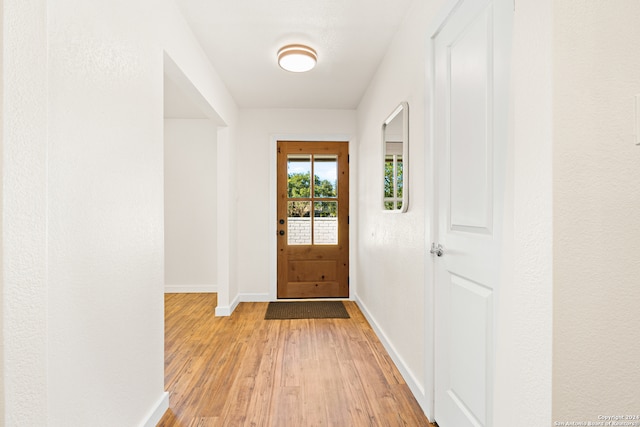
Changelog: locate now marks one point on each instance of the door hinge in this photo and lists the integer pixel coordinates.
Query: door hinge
(348, 158)
(348, 280)
(348, 219)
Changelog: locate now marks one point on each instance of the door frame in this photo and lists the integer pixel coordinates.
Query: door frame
(273, 208)
(432, 208)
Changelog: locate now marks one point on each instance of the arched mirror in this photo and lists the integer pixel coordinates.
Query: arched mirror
(395, 149)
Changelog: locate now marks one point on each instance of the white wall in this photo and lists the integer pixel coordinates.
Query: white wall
(1, 215)
(255, 182)
(190, 220)
(522, 393)
(24, 213)
(396, 283)
(227, 215)
(596, 212)
(391, 247)
(83, 206)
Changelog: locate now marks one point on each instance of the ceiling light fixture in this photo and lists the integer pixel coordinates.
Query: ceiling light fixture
(297, 58)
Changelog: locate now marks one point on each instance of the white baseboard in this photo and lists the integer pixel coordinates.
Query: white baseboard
(223, 311)
(255, 297)
(157, 412)
(227, 310)
(409, 378)
(190, 289)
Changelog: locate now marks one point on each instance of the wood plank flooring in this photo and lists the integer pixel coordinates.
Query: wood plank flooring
(243, 370)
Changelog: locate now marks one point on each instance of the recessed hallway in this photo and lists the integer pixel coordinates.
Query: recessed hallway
(243, 370)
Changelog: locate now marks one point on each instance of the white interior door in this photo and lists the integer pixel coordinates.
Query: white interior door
(471, 51)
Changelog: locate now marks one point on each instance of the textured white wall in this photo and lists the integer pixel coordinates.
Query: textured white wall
(596, 210)
(391, 247)
(105, 221)
(83, 241)
(190, 205)
(1, 215)
(524, 319)
(256, 176)
(227, 216)
(24, 237)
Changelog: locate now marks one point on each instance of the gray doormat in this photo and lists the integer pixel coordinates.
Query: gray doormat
(306, 310)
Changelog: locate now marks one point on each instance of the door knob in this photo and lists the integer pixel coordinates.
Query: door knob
(281, 232)
(438, 250)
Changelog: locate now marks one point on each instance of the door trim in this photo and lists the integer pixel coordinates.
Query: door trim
(273, 208)
(432, 206)
(431, 198)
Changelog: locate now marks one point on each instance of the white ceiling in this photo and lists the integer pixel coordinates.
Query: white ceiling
(241, 38)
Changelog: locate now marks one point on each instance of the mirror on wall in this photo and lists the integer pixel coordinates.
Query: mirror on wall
(395, 149)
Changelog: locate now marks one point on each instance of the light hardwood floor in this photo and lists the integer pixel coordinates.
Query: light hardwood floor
(243, 370)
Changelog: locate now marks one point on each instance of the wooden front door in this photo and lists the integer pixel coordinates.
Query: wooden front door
(313, 219)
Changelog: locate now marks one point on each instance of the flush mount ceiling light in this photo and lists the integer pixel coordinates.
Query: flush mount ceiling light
(297, 58)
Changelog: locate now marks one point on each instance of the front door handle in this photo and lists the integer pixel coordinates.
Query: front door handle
(437, 250)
